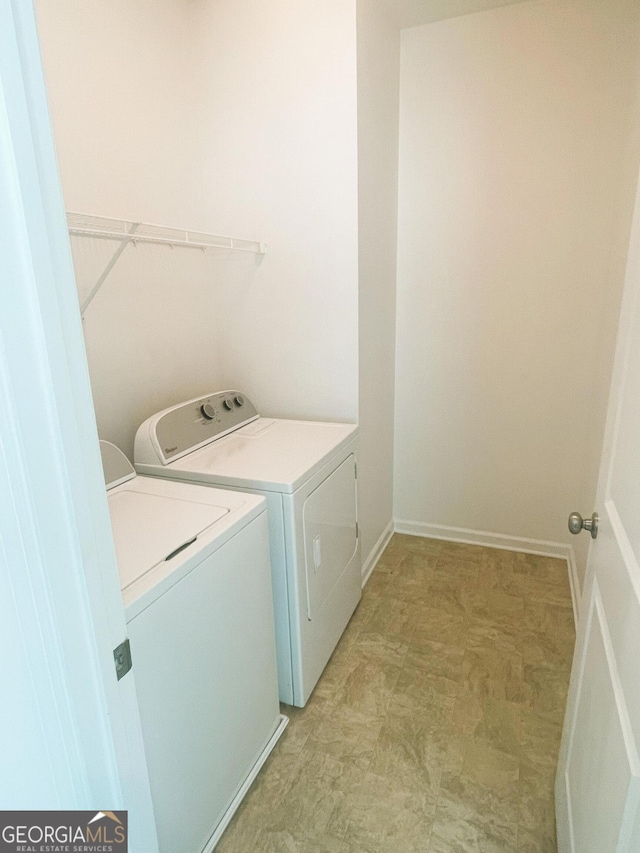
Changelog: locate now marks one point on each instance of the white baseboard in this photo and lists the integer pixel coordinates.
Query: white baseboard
(481, 537)
(376, 552)
(502, 541)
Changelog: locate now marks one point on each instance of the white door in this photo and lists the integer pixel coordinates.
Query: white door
(70, 733)
(598, 781)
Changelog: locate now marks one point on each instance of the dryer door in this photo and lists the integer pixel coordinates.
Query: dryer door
(330, 533)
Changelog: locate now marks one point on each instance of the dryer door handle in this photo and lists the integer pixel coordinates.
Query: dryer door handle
(317, 552)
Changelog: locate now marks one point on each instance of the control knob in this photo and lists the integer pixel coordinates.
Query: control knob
(238, 400)
(228, 403)
(208, 411)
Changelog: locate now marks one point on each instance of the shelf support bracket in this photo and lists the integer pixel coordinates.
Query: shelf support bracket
(96, 287)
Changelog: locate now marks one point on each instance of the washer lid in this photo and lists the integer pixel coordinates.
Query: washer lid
(149, 529)
(267, 454)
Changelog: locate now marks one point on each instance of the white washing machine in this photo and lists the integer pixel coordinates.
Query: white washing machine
(195, 577)
(307, 472)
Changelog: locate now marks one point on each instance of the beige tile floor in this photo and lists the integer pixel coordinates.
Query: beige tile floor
(435, 726)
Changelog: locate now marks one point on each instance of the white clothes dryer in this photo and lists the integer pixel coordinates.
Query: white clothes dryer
(307, 471)
(195, 578)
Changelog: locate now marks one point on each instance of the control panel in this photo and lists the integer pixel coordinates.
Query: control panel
(183, 428)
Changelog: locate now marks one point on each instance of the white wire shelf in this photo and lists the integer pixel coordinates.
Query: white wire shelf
(88, 225)
(125, 232)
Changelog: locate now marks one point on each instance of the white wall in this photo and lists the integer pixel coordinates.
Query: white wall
(119, 78)
(516, 183)
(232, 119)
(277, 126)
(413, 13)
(378, 95)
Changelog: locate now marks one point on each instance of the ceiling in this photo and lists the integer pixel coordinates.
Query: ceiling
(412, 13)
